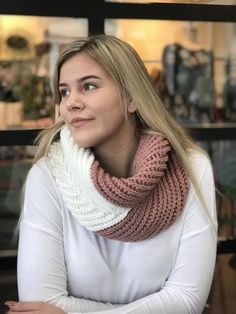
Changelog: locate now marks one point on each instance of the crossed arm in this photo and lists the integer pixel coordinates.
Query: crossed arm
(181, 293)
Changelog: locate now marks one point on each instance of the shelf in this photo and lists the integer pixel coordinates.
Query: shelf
(203, 132)
(8, 260)
(18, 137)
(213, 131)
(226, 246)
(82, 8)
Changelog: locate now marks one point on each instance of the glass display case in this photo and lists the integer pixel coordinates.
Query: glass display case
(15, 162)
(191, 63)
(27, 56)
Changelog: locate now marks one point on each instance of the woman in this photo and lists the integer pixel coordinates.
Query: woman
(119, 210)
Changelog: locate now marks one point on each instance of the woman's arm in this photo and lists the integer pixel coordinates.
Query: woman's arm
(185, 291)
(188, 285)
(42, 274)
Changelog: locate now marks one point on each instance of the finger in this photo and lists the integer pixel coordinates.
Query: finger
(10, 303)
(12, 311)
(24, 306)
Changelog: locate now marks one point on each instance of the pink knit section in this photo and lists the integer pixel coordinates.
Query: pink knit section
(156, 192)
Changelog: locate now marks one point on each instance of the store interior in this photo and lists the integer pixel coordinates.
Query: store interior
(199, 54)
(192, 63)
(186, 57)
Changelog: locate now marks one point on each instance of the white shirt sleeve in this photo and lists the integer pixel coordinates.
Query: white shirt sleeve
(41, 259)
(41, 273)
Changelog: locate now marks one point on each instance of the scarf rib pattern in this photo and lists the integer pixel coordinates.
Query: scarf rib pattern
(125, 209)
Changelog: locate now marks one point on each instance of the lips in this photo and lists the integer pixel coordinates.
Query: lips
(78, 122)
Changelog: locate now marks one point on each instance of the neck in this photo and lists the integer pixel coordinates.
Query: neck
(118, 159)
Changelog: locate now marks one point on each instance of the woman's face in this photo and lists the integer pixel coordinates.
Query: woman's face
(90, 104)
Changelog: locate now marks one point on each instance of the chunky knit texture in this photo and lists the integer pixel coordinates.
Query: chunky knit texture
(126, 209)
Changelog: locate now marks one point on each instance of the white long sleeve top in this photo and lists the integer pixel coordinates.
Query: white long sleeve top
(61, 262)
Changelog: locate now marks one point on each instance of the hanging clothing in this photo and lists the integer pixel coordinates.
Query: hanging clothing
(189, 83)
(229, 94)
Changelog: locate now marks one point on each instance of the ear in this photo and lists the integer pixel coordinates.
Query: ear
(131, 107)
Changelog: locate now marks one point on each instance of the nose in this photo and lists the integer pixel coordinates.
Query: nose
(75, 102)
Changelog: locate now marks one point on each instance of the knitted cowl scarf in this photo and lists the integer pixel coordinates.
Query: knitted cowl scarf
(125, 209)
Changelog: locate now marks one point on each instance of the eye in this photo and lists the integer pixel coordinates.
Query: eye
(89, 86)
(64, 92)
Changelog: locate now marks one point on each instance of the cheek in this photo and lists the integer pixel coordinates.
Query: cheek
(113, 120)
(62, 110)
(113, 112)
(112, 117)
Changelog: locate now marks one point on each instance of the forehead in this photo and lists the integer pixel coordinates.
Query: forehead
(81, 64)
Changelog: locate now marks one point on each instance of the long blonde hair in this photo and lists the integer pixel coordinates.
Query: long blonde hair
(126, 68)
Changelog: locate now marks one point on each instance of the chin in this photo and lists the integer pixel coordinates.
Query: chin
(88, 138)
(80, 140)
(85, 143)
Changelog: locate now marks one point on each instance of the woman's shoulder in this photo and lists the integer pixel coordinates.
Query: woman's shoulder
(40, 179)
(40, 170)
(203, 172)
(200, 161)
(44, 164)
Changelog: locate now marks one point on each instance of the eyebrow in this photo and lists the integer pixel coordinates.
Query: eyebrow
(82, 79)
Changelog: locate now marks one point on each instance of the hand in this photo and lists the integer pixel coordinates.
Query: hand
(33, 307)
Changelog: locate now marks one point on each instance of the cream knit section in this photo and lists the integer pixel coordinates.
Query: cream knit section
(71, 166)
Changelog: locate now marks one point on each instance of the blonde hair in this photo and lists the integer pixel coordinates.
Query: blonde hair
(126, 68)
